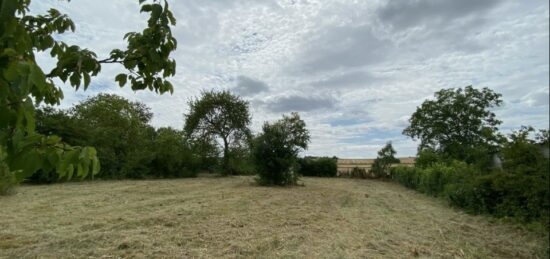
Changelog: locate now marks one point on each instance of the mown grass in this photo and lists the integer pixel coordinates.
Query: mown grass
(232, 217)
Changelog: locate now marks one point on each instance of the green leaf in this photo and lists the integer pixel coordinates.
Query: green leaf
(121, 79)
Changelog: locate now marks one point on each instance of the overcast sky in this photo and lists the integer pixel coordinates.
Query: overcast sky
(354, 70)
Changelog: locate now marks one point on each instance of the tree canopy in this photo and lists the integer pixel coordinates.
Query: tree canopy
(221, 115)
(24, 84)
(457, 122)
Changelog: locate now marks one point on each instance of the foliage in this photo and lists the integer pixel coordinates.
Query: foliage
(7, 178)
(173, 156)
(23, 83)
(427, 157)
(120, 132)
(276, 148)
(318, 166)
(382, 163)
(503, 194)
(523, 155)
(458, 123)
(219, 115)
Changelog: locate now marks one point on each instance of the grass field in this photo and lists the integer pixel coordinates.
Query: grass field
(231, 217)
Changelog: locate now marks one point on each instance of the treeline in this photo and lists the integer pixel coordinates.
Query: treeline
(127, 145)
(463, 158)
(215, 138)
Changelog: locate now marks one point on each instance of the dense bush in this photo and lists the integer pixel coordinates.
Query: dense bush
(275, 150)
(318, 166)
(172, 155)
(503, 194)
(7, 177)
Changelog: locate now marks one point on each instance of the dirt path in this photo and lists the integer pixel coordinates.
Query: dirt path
(231, 217)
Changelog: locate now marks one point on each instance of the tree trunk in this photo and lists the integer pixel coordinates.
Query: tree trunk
(225, 163)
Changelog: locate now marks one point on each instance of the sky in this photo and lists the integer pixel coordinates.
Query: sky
(354, 70)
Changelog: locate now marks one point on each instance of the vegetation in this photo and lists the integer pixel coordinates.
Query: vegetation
(275, 150)
(219, 115)
(23, 83)
(459, 125)
(382, 163)
(456, 128)
(318, 166)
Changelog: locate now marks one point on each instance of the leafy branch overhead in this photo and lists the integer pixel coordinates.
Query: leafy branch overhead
(24, 84)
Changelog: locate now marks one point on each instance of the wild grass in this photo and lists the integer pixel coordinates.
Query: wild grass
(232, 217)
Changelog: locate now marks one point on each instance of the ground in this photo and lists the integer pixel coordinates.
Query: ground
(232, 217)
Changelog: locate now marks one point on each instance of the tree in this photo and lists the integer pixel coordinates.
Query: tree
(120, 132)
(23, 83)
(173, 155)
(276, 150)
(382, 163)
(458, 123)
(219, 115)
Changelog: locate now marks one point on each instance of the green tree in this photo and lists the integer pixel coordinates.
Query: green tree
(120, 132)
(23, 83)
(276, 148)
(524, 155)
(219, 115)
(173, 155)
(458, 123)
(382, 163)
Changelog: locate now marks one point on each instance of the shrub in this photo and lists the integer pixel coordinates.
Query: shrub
(276, 149)
(407, 176)
(7, 178)
(318, 166)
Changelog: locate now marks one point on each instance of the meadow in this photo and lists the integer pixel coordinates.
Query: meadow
(209, 217)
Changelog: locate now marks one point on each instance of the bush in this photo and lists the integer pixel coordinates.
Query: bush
(172, 155)
(407, 176)
(275, 150)
(8, 182)
(318, 166)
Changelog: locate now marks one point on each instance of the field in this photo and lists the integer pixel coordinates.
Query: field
(232, 217)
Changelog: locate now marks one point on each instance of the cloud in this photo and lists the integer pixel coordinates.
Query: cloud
(298, 103)
(407, 14)
(247, 86)
(342, 47)
(355, 70)
(345, 80)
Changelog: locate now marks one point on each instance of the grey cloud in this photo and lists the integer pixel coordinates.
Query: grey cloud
(297, 103)
(406, 14)
(342, 47)
(247, 86)
(352, 79)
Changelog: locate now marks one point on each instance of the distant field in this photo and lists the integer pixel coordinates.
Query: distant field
(231, 217)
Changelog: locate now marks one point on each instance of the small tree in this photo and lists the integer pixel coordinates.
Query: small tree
(382, 163)
(458, 124)
(219, 115)
(275, 150)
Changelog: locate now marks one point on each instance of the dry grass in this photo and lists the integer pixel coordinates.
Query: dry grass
(230, 217)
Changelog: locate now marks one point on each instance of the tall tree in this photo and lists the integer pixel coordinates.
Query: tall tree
(458, 123)
(219, 115)
(276, 148)
(23, 83)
